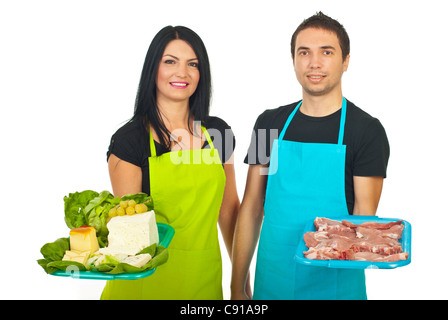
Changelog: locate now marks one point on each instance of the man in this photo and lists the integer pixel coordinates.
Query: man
(329, 160)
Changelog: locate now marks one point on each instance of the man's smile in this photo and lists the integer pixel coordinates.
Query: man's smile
(315, 78)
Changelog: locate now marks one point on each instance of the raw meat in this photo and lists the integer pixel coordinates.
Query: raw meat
(369, 241)
(372, 225)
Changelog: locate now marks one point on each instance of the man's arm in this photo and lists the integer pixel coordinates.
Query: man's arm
(367, 195)
(247, 231)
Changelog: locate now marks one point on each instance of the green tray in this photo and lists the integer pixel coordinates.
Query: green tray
(166, 233)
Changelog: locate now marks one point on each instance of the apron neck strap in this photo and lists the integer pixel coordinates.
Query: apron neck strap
(153, 146)
(341, 124)
(288, 121)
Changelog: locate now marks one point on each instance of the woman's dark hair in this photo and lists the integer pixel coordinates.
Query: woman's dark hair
(146, 110)
(321, 21)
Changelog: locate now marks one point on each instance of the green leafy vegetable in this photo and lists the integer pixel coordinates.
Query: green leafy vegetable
(67, 266)
(150, 250)
(159, 256)
(74, 205)
(53, 251)
(108, 259)
(96, 213)
(92, 208)
(110, 265)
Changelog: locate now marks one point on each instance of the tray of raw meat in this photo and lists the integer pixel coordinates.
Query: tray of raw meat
(355, 242)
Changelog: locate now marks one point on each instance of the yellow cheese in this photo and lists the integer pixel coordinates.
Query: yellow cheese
(70, 254)
(75, 255)
(84, 239)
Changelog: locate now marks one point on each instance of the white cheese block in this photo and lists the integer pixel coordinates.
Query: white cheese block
(131, 234)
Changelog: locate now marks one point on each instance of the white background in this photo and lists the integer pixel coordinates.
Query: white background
(69, 71)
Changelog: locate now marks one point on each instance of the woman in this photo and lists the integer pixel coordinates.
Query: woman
(167, 151)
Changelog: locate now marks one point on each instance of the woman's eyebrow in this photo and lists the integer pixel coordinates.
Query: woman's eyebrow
(170, 55)
(174, 57)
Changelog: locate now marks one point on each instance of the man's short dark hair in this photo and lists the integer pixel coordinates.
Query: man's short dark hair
(322, 21)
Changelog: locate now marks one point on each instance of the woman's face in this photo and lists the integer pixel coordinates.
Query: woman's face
(178, 75)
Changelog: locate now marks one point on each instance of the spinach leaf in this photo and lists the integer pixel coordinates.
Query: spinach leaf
(54, 251)
(67, 266)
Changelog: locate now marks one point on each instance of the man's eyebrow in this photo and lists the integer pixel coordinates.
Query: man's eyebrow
(303, 48)
(174, 57)
(323, 47)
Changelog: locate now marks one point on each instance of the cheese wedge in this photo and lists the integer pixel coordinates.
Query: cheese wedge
(77, 256)
(84, 239)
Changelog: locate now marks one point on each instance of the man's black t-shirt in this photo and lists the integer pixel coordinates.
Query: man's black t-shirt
(366, 140)
(131, 143)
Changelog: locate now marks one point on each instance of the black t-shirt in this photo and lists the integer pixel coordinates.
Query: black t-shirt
(131, 143)
(367, 147)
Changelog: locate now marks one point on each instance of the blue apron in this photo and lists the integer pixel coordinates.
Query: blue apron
(306, 180)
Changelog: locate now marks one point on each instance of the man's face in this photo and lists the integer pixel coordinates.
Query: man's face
(318, 61)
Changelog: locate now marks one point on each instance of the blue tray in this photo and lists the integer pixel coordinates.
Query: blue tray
(166, 233)
(405, 242)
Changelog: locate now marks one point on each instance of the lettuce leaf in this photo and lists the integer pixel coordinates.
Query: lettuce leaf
(90, 208)
(97, 212)
(74, 205)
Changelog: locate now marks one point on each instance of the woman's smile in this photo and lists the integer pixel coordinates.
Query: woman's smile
(179, 84)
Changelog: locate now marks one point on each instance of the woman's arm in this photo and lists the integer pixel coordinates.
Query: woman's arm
(229, 207)
(125, 177)
(247, 230)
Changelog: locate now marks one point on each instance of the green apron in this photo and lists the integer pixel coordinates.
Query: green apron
(187, 187)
